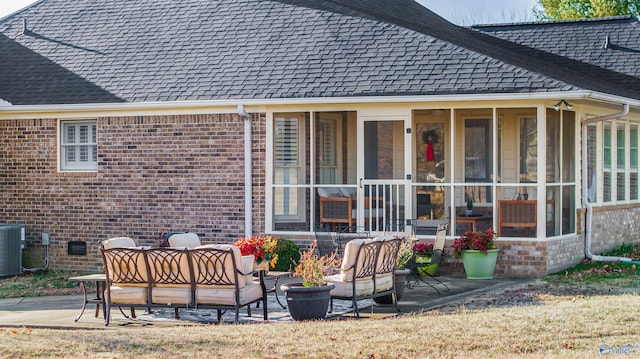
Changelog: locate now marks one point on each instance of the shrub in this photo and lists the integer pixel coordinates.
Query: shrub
(288, 255)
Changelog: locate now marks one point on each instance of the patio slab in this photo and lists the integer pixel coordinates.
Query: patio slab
(60, 311)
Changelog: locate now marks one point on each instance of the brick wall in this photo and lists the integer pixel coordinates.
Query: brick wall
(155, 174)
(613, 226)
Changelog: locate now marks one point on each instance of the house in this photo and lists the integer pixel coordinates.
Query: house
(233, 117)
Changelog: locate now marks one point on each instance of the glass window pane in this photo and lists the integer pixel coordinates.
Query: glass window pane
(286, 142)
(591, 158)
(633, 147)
(620, 193)
(71, 134)
(620, 144)
(606, 186)
(606, 139)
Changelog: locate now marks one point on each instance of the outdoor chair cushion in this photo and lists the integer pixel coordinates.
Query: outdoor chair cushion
(226, 296)
(118, 242)
(171, 295)
(184, 240)
(345, 289)
(349, 258)
(384, 282)
(226, 267)
(128, 294)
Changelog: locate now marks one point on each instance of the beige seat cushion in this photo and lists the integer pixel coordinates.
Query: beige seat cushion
(118, 242)
(226, 296)
(345, 289)
(384, 282)
(349, 258)
(247, 267)
(171, 295)
(128, 294)
(383, 253)
(184, 240)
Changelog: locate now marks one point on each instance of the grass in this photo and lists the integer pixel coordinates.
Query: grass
(610, 273)
(573, 314)
(38, 284)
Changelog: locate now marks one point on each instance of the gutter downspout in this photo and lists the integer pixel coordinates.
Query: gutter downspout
(585, 191)
(248, 190)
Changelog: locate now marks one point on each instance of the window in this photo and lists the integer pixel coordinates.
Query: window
(620, 154)
(78, 149)
(633, 162)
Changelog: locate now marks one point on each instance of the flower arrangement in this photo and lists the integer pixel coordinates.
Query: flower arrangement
(423, 249)
(480, 240)
(312, 267)
(404, 254)
(262, 248)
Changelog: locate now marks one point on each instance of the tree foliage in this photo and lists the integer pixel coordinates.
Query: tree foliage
(580, 9)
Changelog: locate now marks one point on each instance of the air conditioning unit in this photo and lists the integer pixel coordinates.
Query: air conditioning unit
(12, 237)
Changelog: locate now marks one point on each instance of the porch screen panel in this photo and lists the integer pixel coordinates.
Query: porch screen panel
(478, 154)
(327, 143)
(528, 150)
(288, 169)
(553, 146)
(568, 215)
(568, 146)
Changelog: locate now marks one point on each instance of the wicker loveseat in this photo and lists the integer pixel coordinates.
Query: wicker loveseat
(209, 276)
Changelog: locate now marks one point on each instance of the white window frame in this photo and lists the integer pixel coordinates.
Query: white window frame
(85, 149)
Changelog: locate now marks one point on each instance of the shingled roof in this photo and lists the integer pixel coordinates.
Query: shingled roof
(612, 43)
(92, 51)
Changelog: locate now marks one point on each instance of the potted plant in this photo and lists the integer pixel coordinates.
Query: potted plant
(262, 248)
(400, 273)
(469, 211)
(309, 299)
(479, 253)
(423, 252)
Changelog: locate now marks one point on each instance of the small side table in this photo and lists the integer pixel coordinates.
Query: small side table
(100, 280)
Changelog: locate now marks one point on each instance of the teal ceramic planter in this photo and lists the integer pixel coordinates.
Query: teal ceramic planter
(477, 265)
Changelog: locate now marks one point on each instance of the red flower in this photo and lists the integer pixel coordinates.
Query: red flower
(481, 241)
(423, 248)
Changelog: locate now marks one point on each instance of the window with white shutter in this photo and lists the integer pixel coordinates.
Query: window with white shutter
(78, 146)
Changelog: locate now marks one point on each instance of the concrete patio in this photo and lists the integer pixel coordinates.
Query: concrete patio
(60, 311)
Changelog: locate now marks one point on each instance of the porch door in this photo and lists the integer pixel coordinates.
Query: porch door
(384, 153)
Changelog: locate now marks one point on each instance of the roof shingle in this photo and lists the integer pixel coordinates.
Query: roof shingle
(164, 50)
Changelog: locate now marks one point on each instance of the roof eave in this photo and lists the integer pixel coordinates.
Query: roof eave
(230, 105)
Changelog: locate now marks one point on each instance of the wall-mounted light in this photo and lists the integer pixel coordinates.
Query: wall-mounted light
(557, 106)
